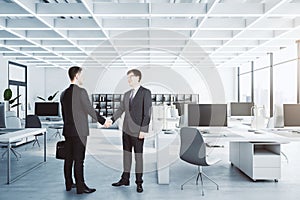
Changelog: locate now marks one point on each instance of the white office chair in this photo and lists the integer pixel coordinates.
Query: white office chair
(13, 122)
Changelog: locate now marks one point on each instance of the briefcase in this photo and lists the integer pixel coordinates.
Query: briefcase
(60, 150)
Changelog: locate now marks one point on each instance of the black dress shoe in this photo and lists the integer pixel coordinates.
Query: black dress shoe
(139, 188)
(120, 183)
(69, 187)
(86, 190)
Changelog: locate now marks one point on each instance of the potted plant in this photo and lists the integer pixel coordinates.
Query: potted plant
(50, 98)
(10, 101)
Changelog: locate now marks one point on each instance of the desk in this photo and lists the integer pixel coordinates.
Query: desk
(11, 136)
(255, 148)
(58, 125)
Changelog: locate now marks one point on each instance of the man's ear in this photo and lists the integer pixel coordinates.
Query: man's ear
(76, 76)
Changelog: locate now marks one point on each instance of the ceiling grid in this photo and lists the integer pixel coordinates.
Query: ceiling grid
(133, 33)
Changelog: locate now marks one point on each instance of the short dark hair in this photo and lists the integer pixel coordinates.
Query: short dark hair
(136, 72)
(73, 71)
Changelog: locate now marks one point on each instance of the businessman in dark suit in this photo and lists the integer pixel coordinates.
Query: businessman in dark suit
(76, 107)
(137, 107)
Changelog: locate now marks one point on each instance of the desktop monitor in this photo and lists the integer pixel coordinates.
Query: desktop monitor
(207, 115)
(241, 108)
(2, 115)
(47, 109)
(291, 114)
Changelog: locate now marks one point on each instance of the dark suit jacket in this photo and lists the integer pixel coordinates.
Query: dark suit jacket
(76, 107)
(137, 114)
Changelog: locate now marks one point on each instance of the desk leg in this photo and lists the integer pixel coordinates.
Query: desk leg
(8, 162)
(45, 145)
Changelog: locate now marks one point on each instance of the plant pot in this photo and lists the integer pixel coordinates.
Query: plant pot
(11, 114)
(6, 106)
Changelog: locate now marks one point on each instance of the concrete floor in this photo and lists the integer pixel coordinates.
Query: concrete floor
(103, 166)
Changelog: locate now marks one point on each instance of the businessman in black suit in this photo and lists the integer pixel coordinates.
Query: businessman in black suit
(76, 107)
(137, 107)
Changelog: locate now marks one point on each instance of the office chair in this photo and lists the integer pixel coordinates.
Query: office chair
(193, 151)
(13, 122)
(33, 121)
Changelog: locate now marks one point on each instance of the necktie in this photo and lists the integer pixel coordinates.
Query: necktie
(131, 95)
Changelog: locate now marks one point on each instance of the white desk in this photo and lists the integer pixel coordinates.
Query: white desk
(9, 137)
(255, 148)
(56, 124)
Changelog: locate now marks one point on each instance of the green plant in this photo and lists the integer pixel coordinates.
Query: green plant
(50, 98)
(8, 97)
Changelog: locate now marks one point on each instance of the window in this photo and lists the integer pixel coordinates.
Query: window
(17, 82)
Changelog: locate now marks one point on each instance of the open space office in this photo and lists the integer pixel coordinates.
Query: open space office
(224, 81)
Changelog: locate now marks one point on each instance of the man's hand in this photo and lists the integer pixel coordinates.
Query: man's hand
(108, 123)
(142, 135)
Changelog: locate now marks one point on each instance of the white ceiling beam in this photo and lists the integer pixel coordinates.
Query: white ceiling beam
(42, 34)
(5, 34)
(26, 23)
(61, 9)
(75, 23)
(256, 34)
(32, 8)
(177, 8)
(214, 34)
(287, 9)
(100, 9)
(232, 9)
(174, 23)
(85, 34)
(208, 9)
(12, 9)
(274, 23)
(224, 23)
(243, 33)
(124, 23)
(91, 7)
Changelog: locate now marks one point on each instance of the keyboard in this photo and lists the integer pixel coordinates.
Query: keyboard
(54, 119)
(260, 132)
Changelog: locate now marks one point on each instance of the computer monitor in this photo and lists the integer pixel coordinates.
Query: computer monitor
(241, 108)
(207, 115)
(2, 115)
(291, 114)
(47, 109)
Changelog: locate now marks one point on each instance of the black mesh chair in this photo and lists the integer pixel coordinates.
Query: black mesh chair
(193, 151)
(33, 121)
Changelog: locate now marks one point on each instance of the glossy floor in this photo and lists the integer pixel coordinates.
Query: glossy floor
(103, 164)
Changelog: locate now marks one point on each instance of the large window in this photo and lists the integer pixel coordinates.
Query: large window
(262, 89)
(245, 87)
(285, 84)
(17, 82)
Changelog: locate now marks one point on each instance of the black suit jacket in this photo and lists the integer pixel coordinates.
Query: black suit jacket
(137, 113)
(76, 107)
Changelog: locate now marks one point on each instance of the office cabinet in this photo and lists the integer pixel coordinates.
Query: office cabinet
(258, 160)
(107, 104)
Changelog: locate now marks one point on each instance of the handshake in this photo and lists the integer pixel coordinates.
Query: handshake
(108, 123)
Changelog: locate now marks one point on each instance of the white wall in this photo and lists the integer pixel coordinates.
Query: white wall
(56, 79)
(46, 81)
(229, 81)
(212, 85)
(35, 85)
(3, 76)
